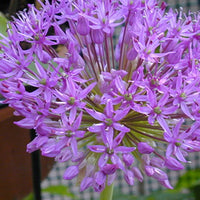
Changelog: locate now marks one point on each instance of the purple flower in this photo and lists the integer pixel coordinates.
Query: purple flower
(105, 104)
(180, 142)
(157, 110)
(109, 122)
(110, 152)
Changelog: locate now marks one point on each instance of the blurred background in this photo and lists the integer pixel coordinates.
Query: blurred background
(16, 165)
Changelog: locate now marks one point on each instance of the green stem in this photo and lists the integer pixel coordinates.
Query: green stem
(107, 193)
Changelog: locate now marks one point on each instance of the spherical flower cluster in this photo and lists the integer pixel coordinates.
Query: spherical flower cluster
(106, 104)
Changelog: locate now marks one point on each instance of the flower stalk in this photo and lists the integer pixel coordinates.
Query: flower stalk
(107, 193)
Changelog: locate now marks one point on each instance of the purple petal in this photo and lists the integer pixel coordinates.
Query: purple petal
(64, 156)
(120, 114)
(169, 110)
(169, 150)
(167, 137)
(71, 89)
(100, 177)
(97, 148)
(96, 128)
(163, 124)
(97, 115)
(152, 98)
(179, 154)
(37, 143)
(71, 172)
(85, 92)
(74, 146)
(128, 159)
(99, 181)
(137, 173)
(120, 85)
(185, 109)
(27, 123)
(151, 119)
(116, 160)
(77, 122)
(121, 127)
(166, 184)
(40, 69)
(179, 82)
(108, 134)
(159, 174)
(109, 169)
(163, 99)
(109, 109)
(191, 145)
(103, 160)
(49, 149)
(144, 148)
(124, 149)
(142, 109)
(176, 129)
(129, 177)
(86, 183)
(72, 114)
(149, 170)
(118, 139)
(157, 162)
(111, 178)
(173, 164)
(80, 134)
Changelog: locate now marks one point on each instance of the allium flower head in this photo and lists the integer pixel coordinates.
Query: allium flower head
(104, 104)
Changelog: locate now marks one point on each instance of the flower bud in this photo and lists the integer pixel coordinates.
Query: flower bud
(159, 174)
(137, 173)
(157, 162)
(99, 181)
(111, 178)
(173, 164)
(166, 184)
(144, 148)
(129, 177)
(83, 26)
(37, 143)
(132, 54)
(64, 156)
(109, 169)
(71, 172)
(97, 36)
(128, 159)
(86, 183)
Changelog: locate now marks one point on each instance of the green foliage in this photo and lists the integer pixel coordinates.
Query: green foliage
(168, 194)
(29, 197)
(59, 190)
(189, 180)
(119, 196)
(157, 195)
(3, 24)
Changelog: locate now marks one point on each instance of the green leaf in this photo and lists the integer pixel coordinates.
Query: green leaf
(59, 190)
(29, 197)
(3, 24)
(188, 180)
(118, 195)
(156, 195)
(169, 194)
